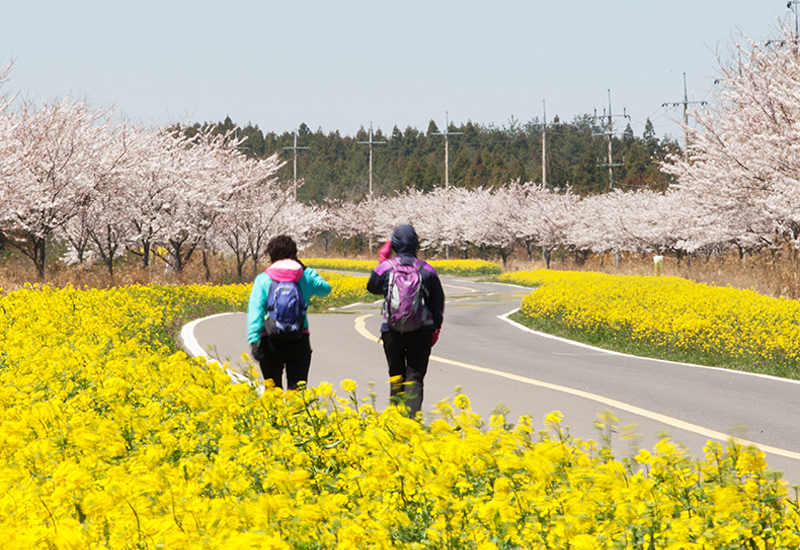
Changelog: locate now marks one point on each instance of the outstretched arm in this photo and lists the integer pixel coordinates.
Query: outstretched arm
(315, 284)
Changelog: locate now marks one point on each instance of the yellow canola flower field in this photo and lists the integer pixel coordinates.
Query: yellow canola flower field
(110, 438)
(670, 314)
(464, 268)
(345, 289)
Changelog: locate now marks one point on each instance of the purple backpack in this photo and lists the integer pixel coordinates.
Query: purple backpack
(404, 309)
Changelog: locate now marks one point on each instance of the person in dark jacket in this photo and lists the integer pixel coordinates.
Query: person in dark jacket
(408, 352)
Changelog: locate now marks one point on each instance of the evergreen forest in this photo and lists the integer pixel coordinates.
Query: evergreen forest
(333, 166)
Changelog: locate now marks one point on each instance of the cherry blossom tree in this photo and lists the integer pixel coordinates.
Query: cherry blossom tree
(429, 213)
(10, 167)
(150, 187)
(300, 221)
(75, 233)
(451, 211)
(620, 222)
(260, 210)
(57, 149)
(548, 217)
(742, 169)
(344, 219)
(199, 187)
(325, 233)
(505, 210)
(100, 224)
(654, 221)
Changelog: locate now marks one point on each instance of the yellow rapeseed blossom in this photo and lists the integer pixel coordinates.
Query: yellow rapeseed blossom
(673, 315)
(344, 290)
(110, 437)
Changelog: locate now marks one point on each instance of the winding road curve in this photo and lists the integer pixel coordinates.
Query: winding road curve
(495, 361)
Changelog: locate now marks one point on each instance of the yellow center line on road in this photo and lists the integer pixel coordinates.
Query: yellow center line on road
(361, 328)
(460, 287)
(454, 300)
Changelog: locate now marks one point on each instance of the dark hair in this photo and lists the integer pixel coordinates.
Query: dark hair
(281, 247)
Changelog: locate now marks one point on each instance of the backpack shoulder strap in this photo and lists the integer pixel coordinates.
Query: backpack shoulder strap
(303, 302)
(271, 286)
(397, 260)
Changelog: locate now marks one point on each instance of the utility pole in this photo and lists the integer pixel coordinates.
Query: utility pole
(370, 143)
(609, 133)
(295, 148)
(446, 135)
(685, 104)
(544, 145)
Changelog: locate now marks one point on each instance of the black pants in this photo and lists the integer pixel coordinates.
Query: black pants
(274, 356)
(407, 354)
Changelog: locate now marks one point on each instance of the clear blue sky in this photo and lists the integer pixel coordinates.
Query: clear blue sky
(341, 65)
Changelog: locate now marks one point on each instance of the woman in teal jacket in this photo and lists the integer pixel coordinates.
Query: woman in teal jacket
(274, 356)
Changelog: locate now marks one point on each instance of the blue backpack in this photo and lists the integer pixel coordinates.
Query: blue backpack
(286, 311)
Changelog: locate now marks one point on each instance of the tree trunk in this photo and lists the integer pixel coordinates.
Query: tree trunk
(505, 253)
(205, 265)
(34, 248)
(39, 250)
(254, 257)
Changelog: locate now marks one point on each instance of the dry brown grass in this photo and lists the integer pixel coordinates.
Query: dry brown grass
(772, 274)
(17, 271)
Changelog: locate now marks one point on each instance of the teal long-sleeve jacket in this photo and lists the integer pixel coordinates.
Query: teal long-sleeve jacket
(311, 284)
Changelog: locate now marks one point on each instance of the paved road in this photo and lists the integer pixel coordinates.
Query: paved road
(496, 362)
